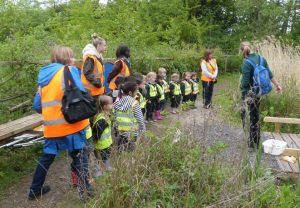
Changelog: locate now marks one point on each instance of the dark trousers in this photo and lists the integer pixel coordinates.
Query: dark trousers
(175, 101)
(186, 98)
(126, 143)
(252, 104)
(207, 92)
(79, 164)
(193, 97)
(150, 108)
(143, 111)
(161, 105)
(103, 154)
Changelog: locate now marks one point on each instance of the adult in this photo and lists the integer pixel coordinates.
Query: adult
(93, 70)
(122, 67)
(59, 134)
(208, 77)
(249, 99)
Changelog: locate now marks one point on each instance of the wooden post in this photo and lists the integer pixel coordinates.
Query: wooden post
(277, 127)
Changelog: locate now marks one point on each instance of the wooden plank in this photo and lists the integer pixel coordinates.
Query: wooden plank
(282, 120)
(286, 165)
(292, 152)
(289, 141)
(20, 125)
(277, 127)
(295, 139)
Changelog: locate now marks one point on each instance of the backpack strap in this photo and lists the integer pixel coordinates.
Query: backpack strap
(251, 63)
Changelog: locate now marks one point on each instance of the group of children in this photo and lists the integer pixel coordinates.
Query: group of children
(139, 99)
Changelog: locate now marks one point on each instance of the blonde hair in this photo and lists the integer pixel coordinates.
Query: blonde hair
(173, 76)
(194, 74)
(62, 55)
(246, 48)
(161, 70)
(102, 101)
(97, 40)
(185, 74)
(150, 74)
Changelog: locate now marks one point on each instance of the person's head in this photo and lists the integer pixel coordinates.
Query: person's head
(245, 48)
(186, 75)
(129, 88)
(99, 43)
(151, 77)
(208, 54)
(140, 80)
(162, 72)
(175, 77)
(159, 78)
(62, 55)
(104, 103)
(123, 51)
(194, 75)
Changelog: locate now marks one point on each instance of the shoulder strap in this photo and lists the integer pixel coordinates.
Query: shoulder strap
(97, 118)
(68, 79)
(251, 63)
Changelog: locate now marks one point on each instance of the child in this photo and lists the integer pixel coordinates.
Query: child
(129, 118)
(141, 94)
(175, 93)
(195, 89)
(151, 96)
(161, 101)
(102, 136)
(186, 90)
(163, 72)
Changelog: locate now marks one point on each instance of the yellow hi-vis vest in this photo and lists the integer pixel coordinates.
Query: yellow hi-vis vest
(188, 88)
(177, 90)
(166, 86)
(161, 92)
(153, 90)
(195, 87)
(125, 120)
(105, 140)
(142, 100)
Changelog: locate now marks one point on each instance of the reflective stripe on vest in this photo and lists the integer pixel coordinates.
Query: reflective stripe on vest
(187, 86)
(166, 86)
(124, 72)
(54, 122)
(98, 73)
(142, 100)
(88, 132)
(126, 121)
(195, 87)
(161, 92)
(105, 140)
(153, 90)
(213, 63)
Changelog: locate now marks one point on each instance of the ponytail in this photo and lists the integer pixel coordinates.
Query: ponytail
(246, 48)
(96, 40)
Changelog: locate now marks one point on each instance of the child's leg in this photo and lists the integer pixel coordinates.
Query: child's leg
(149, 111)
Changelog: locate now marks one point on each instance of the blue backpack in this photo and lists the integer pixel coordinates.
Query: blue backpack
(261, 78)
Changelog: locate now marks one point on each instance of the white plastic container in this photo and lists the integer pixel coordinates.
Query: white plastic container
(274, 147)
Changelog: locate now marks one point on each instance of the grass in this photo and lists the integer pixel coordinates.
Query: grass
(16, 163)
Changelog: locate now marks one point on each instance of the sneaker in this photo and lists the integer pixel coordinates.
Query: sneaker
(45, 189)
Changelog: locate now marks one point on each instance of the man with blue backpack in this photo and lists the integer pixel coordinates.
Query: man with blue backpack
(256, 82)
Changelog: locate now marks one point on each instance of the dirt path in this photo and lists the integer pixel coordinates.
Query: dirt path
(200, 123)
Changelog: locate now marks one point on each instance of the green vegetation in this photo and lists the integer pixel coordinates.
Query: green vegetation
(16, 163)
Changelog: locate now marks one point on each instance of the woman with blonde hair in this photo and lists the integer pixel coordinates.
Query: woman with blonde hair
(93, 70)
(59, 134)
(209, 75)
(249, 98)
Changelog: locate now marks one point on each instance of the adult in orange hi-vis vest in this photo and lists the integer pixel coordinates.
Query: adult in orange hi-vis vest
(122, 67)
(59, 134)
(92, 70)
(208, 77)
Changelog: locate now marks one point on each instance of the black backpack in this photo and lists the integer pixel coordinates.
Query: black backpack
(77, 105)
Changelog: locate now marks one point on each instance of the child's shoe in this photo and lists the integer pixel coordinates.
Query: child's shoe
(158, 116)
(108, 167)
(97, 172)
(74, 179)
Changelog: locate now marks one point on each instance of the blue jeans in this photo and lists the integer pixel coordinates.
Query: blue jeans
(79, 163)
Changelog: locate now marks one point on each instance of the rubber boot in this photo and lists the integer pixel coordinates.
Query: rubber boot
(155, 116)
(107, 166)
(159, 117)
(74, 179)
(98, 171)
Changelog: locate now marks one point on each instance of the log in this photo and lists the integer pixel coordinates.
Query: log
(282, 120)
(21, 105)
(292, 152)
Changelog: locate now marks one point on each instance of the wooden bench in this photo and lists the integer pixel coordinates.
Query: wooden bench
(292, 140)
(17, 126)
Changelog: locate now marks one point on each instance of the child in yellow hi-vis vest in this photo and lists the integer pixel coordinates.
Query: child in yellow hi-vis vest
(195, 89)
(186, 90)
(141, 93)
(102, 137)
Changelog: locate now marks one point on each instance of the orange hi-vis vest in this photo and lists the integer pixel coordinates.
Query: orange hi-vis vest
(98, 73)
(55, 124)
(211, 66)
(124, 72)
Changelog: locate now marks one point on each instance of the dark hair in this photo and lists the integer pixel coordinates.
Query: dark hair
(139, 78)
(130, 78)
(123, 50)
(207, 52)
(159, 77)
(129, 87)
